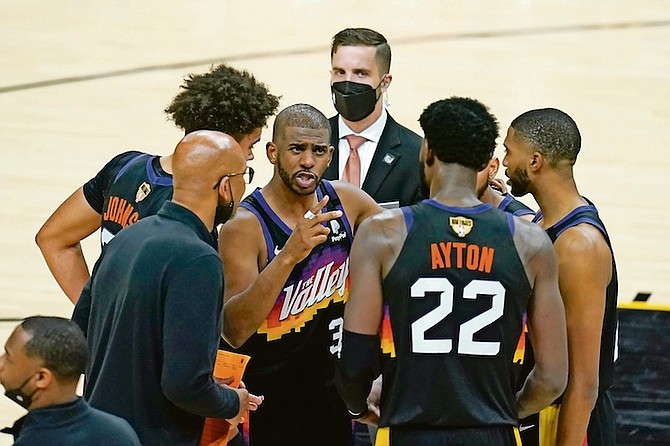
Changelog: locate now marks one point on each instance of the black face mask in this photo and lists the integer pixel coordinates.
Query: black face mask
(223, 212)
(22, 399)
(354, 101)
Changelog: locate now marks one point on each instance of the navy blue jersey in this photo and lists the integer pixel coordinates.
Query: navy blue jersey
(130, 187)
(293, 352)
(608, 340)
(453, 312)
(304, 325)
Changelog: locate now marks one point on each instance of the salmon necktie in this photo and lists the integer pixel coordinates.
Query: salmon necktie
(352, 170)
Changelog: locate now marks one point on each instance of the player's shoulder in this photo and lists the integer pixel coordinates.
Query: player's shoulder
(386, 225)
(350, 194)
(243, 220)
(127, 156)
(119, 161)
(530, 237)
(581, 238)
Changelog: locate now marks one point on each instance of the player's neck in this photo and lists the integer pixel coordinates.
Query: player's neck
(557, 197)
(287, 204)
(492, 197)
(454, 186)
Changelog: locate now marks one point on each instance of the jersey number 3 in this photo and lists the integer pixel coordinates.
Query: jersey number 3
(466, 342)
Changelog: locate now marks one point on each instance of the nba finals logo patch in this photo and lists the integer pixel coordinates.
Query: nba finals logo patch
(142, 192)
(461, 225)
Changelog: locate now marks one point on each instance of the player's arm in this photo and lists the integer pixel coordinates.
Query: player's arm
(249, 295)
(59, 240)
(372, 252)
(546, 324)
(585, 270)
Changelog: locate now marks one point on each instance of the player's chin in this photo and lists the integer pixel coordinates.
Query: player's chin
(305, 189)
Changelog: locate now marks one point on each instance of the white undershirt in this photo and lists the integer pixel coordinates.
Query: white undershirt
(367, 150)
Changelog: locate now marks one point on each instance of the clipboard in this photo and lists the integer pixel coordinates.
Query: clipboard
(227, 364)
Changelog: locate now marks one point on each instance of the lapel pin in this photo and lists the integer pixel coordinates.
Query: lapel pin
(388, 159)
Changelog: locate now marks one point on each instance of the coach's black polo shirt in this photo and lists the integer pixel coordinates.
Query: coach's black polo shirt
(152, 316)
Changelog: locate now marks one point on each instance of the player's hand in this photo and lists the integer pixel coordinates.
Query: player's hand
(248, 401)
(371, 417)
(223, 381)
(375, 395)
(309, 232)
(498, 185)
(374, 399)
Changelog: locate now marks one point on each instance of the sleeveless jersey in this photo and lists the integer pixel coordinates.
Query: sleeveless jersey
(608, 339)
(300, 337)
(130, 187)
(453, 312)
(514, 206)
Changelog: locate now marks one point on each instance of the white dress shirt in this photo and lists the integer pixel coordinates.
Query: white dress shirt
(366, 151)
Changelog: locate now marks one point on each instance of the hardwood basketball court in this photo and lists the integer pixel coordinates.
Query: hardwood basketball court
(83, 82)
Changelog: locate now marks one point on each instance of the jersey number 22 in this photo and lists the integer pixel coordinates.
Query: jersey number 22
(466, 342)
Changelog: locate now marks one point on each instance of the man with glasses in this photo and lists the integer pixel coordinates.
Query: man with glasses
(151, 311)
(134, 185)
(286, 259)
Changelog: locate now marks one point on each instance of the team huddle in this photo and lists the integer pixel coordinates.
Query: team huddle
(387, 287)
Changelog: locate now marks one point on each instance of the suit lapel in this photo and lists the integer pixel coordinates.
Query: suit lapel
(385, 157)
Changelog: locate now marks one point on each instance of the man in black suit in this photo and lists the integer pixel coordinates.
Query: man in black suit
(373, 150)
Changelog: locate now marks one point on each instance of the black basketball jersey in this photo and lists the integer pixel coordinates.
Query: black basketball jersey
(453, 311)
(130, 187)
(608, 339)
(301, 336)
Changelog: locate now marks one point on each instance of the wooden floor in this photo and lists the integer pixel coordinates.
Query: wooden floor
(82, 82)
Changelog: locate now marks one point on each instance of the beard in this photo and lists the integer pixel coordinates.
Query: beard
(288, 181)
(519, 182)
(482, 190)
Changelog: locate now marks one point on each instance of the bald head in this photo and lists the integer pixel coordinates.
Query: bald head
(201, 158)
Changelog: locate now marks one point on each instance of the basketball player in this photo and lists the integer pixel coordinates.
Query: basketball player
(541, 148)
(134, 185)
(151, 312)
(445, 283)
(286, 259)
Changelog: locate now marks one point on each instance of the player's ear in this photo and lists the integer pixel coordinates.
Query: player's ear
(331, 150)
(494, 165)
(271, 152)
(430, 158)
(536, 161)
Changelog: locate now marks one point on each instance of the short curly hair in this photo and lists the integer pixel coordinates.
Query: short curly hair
(551, 132)
(460, 130)
(224, 99)
(59, 343)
